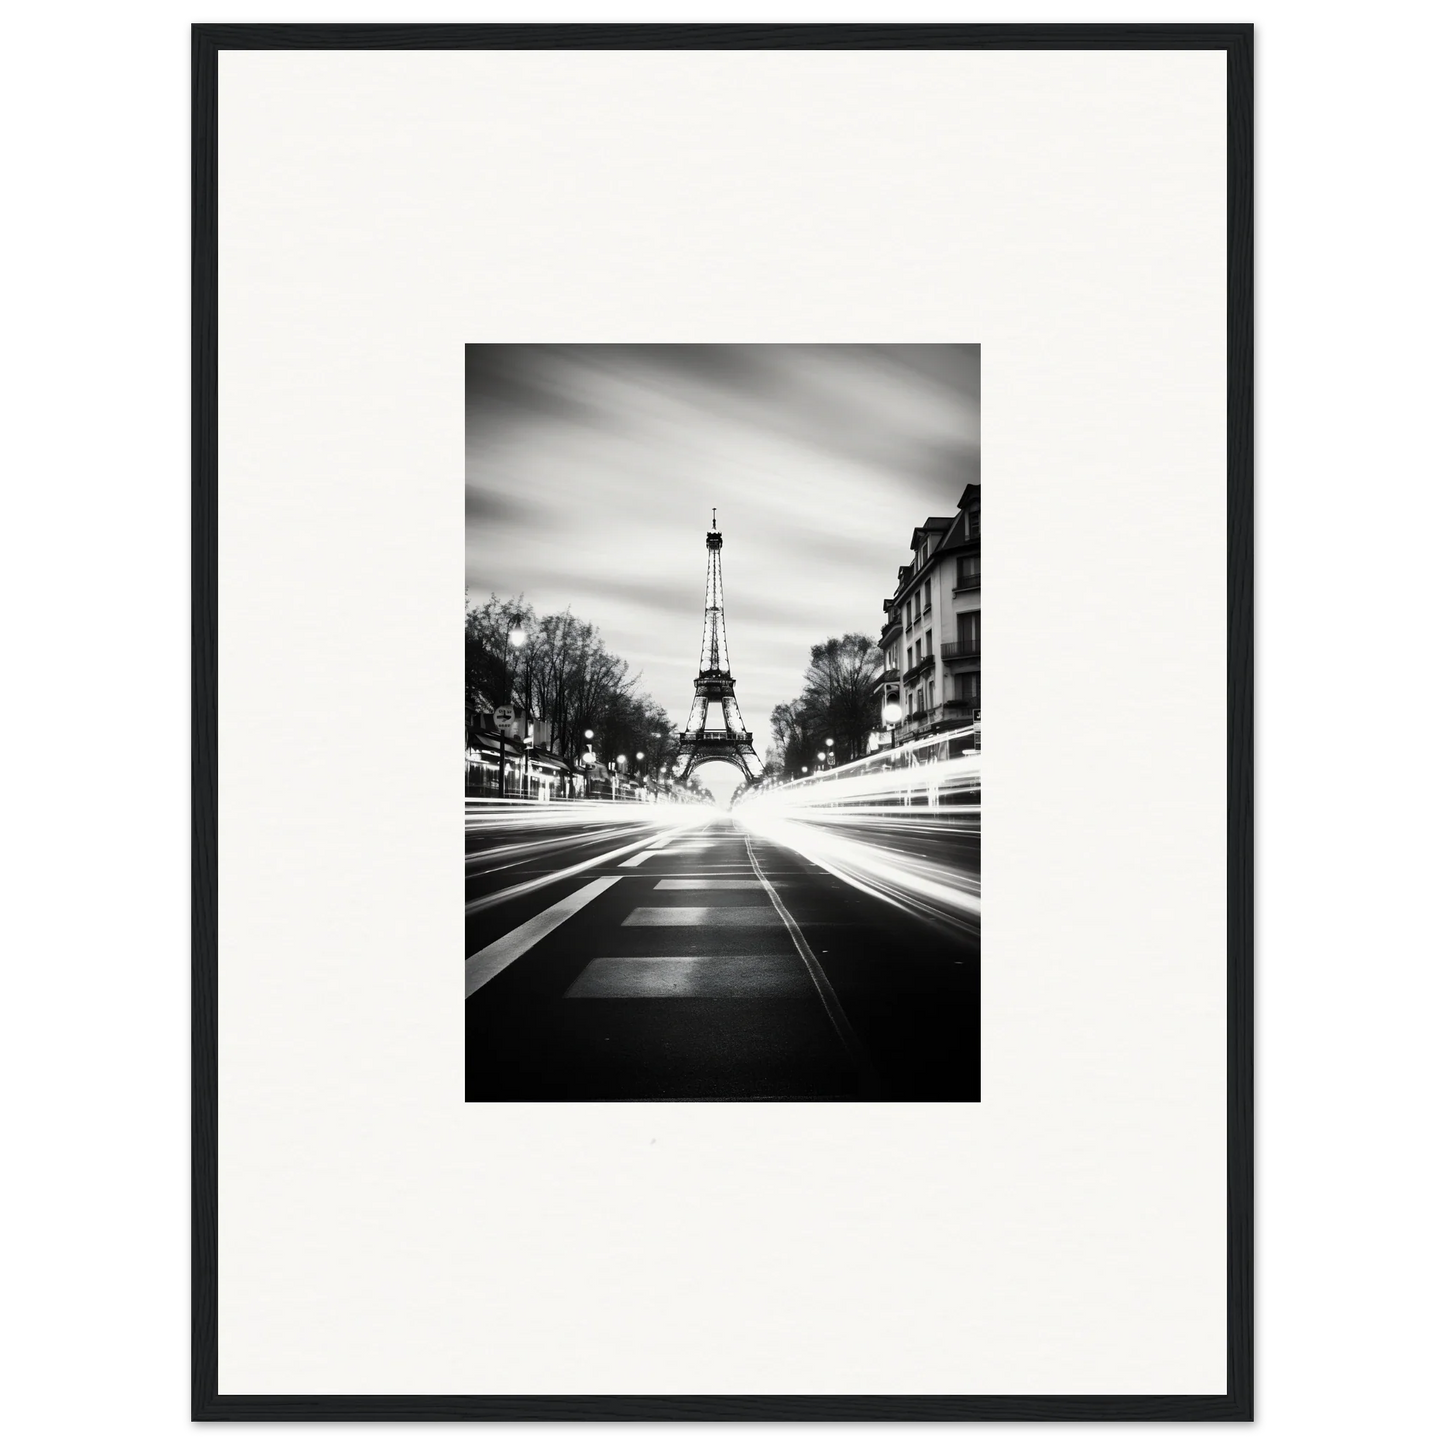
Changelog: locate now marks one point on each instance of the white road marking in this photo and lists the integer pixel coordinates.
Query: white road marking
(832, 1007)
(641, 858)
(699, 917)
(490, 900)
(485, 965)
(689, 883)
(708, 975)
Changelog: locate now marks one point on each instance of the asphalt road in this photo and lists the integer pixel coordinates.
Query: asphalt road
(705, 964)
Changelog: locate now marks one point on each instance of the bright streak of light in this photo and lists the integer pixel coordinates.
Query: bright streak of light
(902, 826)
(941, 776)
(493, 843)
(938, 890)
(510, 814)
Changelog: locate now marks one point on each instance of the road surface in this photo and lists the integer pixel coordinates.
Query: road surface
(627, 960)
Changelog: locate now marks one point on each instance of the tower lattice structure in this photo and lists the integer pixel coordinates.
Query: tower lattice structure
(732, 742)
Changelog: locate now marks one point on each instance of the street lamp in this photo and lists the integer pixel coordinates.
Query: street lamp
(516, 638)
(588, 756)
(892, 715)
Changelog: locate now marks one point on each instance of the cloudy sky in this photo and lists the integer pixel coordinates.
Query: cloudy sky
(592, 472)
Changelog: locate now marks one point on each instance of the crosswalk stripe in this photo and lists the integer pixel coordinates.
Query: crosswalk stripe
(676, 884)
(709, 975)
(486, 964)
(641, 858)
(700, 917)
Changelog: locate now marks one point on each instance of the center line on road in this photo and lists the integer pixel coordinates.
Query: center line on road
(850, 1041)
(485, 965)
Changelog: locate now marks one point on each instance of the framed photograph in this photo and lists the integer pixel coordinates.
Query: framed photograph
(629, 1043)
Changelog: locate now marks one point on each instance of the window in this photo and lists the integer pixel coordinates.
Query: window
(967, 688)
(968, 632)
(967, 571)
(928, 643)
(930, 694)
(910, 659)
(927, 593)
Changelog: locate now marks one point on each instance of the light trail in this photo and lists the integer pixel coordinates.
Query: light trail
(492, 826)
(902, 826)
(564, 827)
(496, 814)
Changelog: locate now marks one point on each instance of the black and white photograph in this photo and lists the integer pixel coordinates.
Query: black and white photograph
(723, 762)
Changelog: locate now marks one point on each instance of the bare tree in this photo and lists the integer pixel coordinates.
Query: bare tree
(562, 673)
(836, 702)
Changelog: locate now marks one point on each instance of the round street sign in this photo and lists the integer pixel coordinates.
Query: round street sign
(503, 716)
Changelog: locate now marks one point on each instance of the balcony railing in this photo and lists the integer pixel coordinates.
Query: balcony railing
(921, 721)
(969, 582)
(960, 652)
(924, 664)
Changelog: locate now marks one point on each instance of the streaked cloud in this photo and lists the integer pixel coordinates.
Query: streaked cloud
(592, 471)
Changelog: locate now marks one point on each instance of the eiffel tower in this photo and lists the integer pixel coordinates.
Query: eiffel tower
(731, 743)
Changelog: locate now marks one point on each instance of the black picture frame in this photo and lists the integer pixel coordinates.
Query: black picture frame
(1236, 1403)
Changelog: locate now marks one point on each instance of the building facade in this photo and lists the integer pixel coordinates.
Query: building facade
(932, 635)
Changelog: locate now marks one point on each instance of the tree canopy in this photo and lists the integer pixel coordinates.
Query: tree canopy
(564, 674)
(836, 702)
